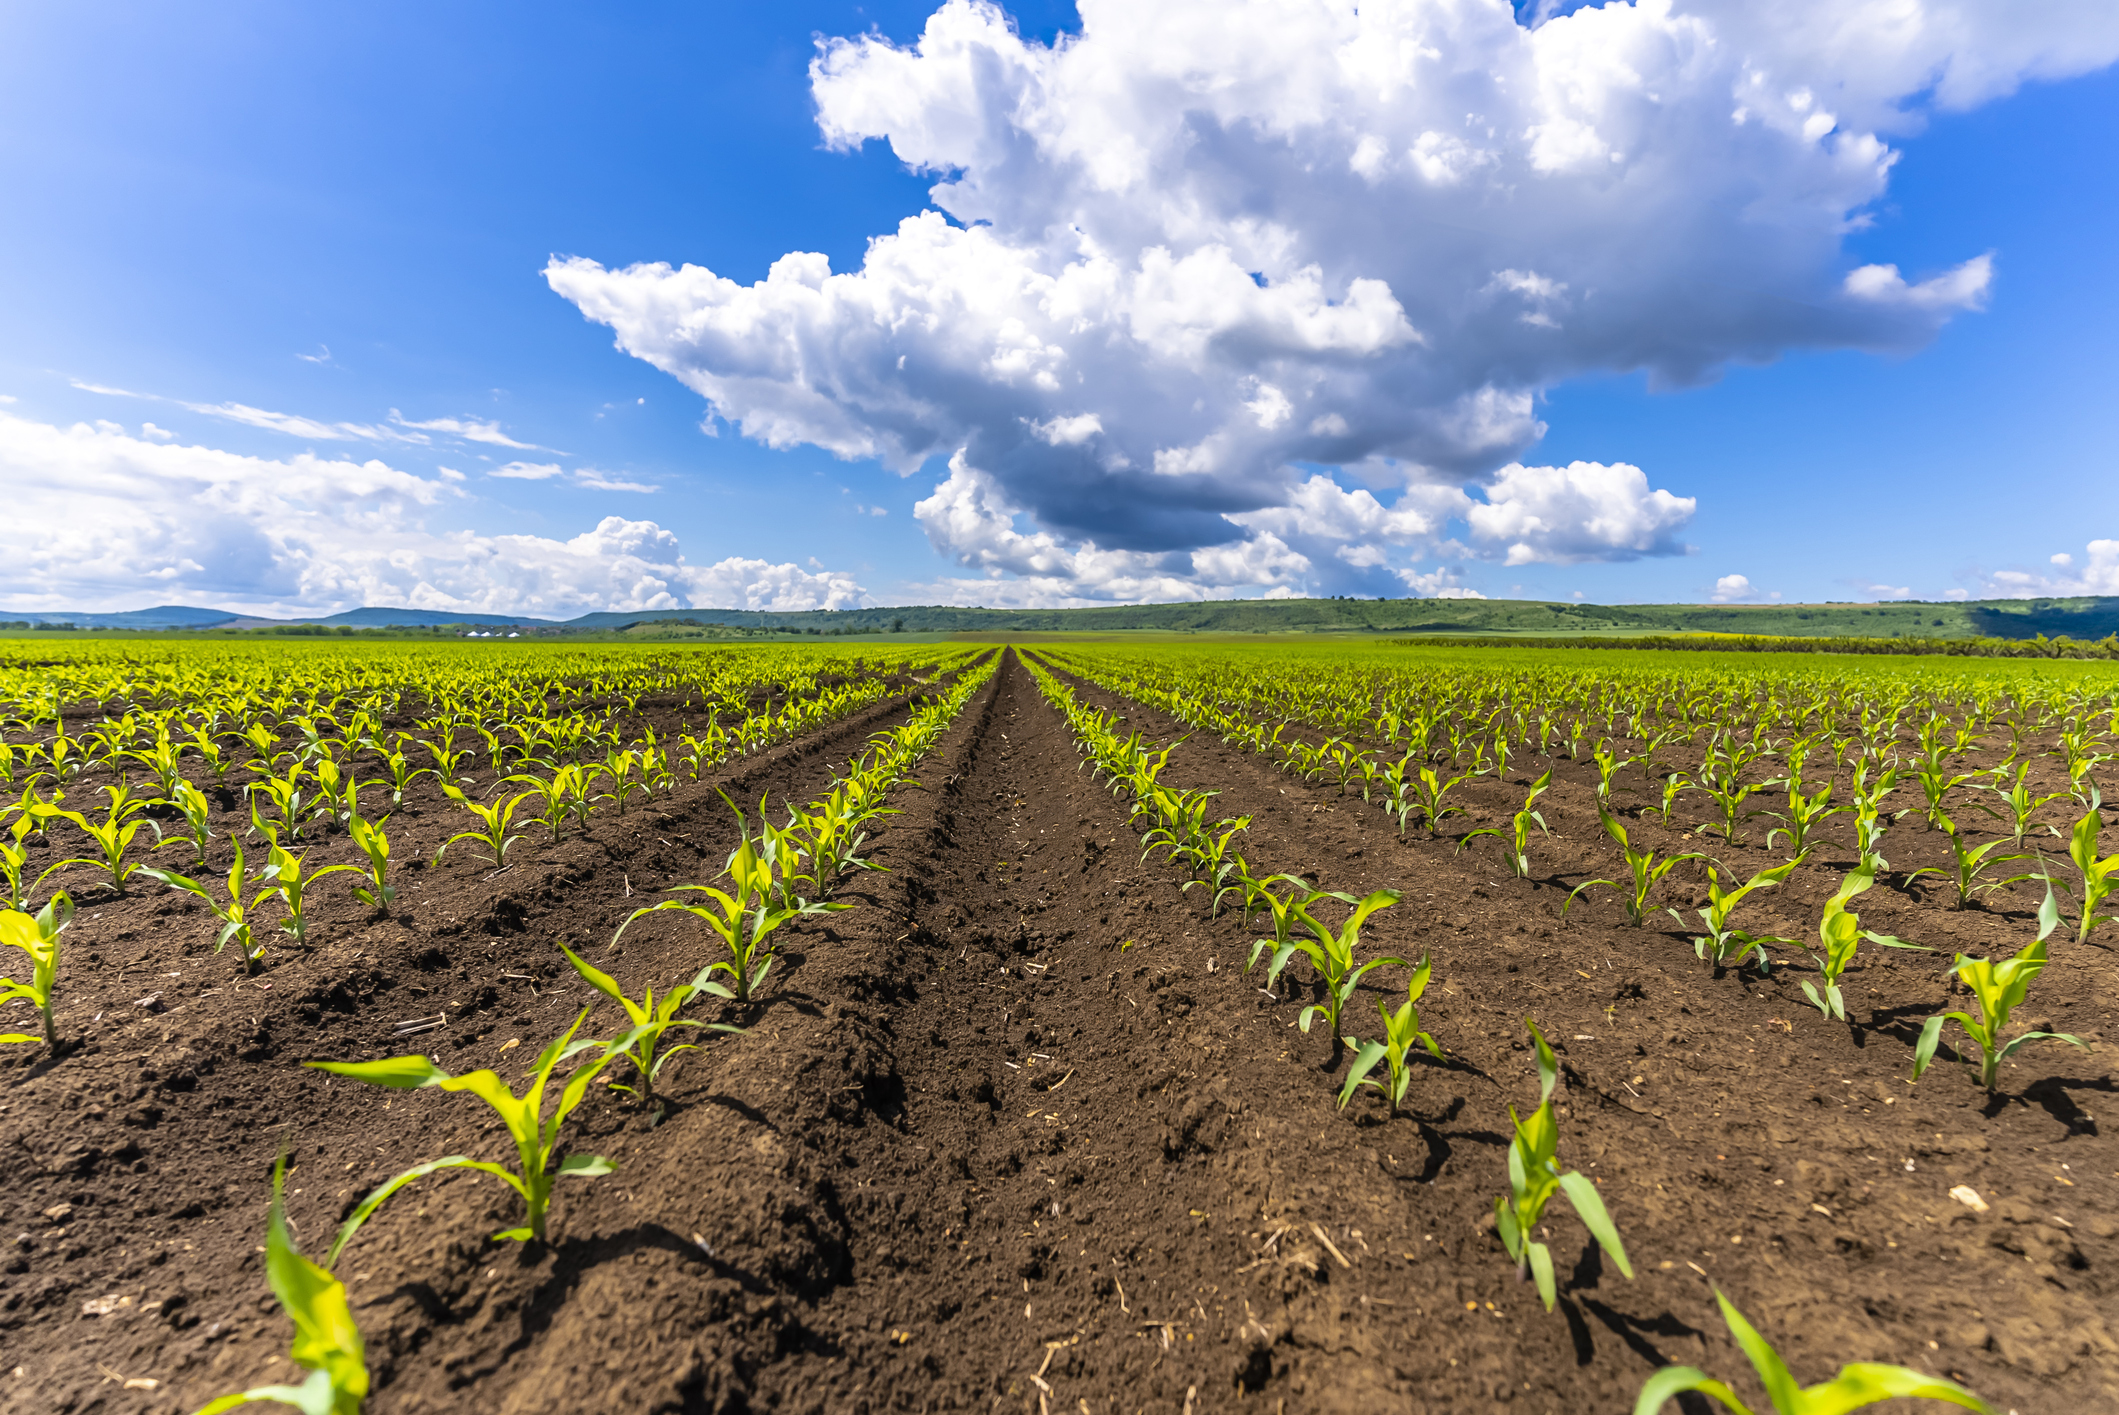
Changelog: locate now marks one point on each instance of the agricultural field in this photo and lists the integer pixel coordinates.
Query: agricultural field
(1053, 1028)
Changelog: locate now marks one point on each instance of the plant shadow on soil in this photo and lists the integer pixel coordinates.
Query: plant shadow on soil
(1019, 1133)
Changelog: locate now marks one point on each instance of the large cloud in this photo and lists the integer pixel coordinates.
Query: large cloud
(2098, 574)
(1199, 245)
(112, 513)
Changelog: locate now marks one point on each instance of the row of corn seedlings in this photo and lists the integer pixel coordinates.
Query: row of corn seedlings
(273, 873)
(815, 849)
(1998, 988)
(1535, 1174)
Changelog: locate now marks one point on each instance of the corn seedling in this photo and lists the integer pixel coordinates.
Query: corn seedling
(1870, 823)
(1804, 814)
(496, 821)
(1535, 1176)
(1724, 946)
(1674, 785)
(2095, 874)
(2000, 989)
(1936, 783)
(377, 892)
(1401, 1029)
(1429, 792)
(1645, 872)
(234, 914)
(1842, 933)
(338, 792)
(536, 1135)
(327, 1344)
(1285, 910)
(2021, 804)
(1859, 1384)
(14, 863)
(1969, 866)
(166, 760)
(650, 1020)
(744, 921)
(37, 935)
(286, 875)
(285, 794)
(197, 813)
(1721, 777)
(556, 794)
(113, 835)
(1520, 824)
(620, 768)
(402, 775)
(1331, 953)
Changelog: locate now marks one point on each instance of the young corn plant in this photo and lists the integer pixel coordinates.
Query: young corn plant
(2096, 875)
(1870, 823)
(286, 875)
(166, 760)
(1804, 814)
(1645, 872)
(1214, 862)
(1859, 1384)
(285, 794)
(1401, 1030)
(337, 792)
(375, 891)
(14, 863)
(37, 935)
(1842, 933)
(1968, 868)
(536, 1134)
(642, 1044)
(1723, 945)
(113, 835)
(2020, 803)
(1674, 785)
(1520, 824)
(1429, 793)
(1936, 783)
(197, 812)
(1999, 988)
(1722, 778)
(234, 914)
(1284, 909)
(1331, 953)
(1535, 1176)
(496, 820)
(327, 1344)
(556, 794)
(402, 774)
(744, 921)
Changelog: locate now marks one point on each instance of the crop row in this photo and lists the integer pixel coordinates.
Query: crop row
(1178, 824)
(776, 874)
(305, 775)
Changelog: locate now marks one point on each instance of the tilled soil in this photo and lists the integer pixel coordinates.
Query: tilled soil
(1019, 1132)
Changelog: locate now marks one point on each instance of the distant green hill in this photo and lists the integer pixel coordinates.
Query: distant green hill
(2085, 618)
(2088, 618)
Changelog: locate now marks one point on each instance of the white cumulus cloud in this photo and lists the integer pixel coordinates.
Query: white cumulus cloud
(1582, 511)
(119, 515)
(1183, 257)
(2098, 575)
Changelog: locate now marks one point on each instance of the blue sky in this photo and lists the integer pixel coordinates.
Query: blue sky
(332, 212)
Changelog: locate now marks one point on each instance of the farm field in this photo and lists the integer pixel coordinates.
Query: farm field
(1031, 1123)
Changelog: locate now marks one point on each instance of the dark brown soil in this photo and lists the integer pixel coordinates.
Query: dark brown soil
(1018, 1133)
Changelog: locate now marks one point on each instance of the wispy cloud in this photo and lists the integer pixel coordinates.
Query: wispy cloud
(290, 424)
(324, 357)
(596, 480)
(528, 471)
(471, 430)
